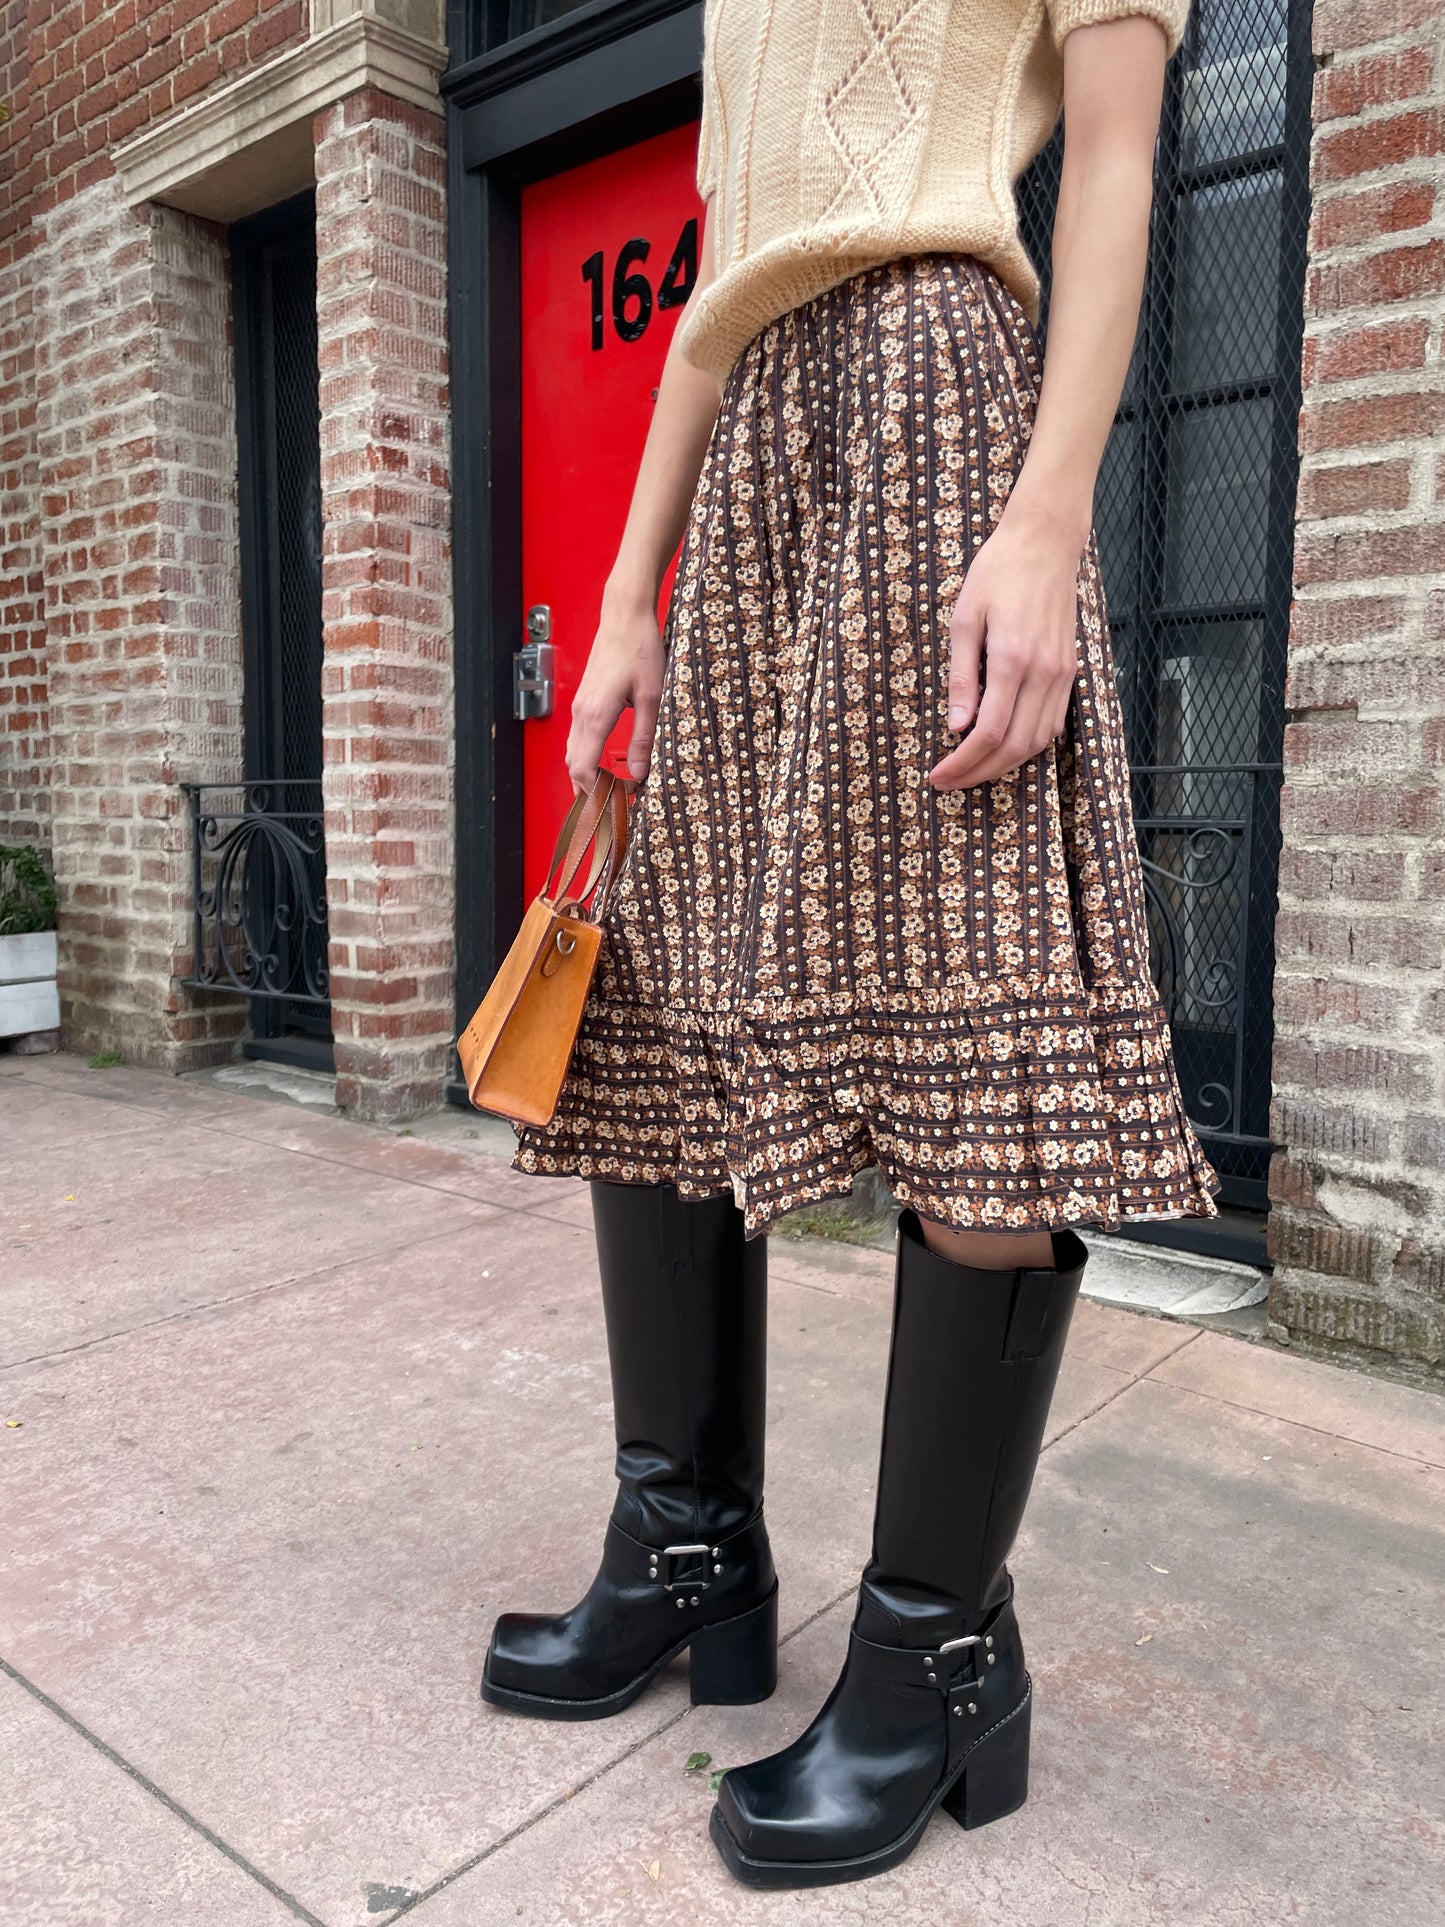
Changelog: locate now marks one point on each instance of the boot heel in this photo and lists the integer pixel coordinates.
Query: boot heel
(996, 1779)
(736, 1663)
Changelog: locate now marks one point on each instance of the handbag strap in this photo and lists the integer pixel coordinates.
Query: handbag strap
(599, 817)
(576, 831)
(607, 858)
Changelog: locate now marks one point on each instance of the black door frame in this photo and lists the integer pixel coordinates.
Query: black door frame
(611, 73)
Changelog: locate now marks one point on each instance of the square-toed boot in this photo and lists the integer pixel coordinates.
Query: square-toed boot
(932, 1706)
(685, 1559)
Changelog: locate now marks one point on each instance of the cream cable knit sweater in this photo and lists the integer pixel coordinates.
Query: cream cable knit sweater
(838, 134)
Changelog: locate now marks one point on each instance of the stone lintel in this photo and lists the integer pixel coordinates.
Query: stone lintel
(248, 144)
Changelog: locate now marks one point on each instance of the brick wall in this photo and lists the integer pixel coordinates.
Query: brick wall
(24, 745)
(76, 79)
(136, 459)
(120, 664)
(24, 735)
(387, 679)
(1357, 1230)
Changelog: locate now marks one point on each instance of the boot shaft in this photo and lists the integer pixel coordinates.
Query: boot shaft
(684, 1296)
(972, 1367)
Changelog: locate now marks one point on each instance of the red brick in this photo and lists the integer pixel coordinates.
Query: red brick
(1354, 353)
(1331, 1249)
(1367, 147)
(1353, 555)
(1357, 940)
(1363, 420)
(1290, 1182)
(1348, 86)
(1334, 810)
(1373, 876)
(1408, 685)
(1351, 488)
(1393, 274)
(1338, 741)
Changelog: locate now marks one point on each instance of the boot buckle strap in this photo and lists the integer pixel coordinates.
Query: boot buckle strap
(705, 1564)
(935, 1673)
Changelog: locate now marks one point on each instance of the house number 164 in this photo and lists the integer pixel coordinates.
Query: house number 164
(632, 295)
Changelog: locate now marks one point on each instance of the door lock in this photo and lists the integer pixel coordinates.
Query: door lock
(533, 681)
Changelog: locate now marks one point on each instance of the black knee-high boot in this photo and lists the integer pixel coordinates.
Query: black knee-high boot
(932, 1706)
(685, 1560)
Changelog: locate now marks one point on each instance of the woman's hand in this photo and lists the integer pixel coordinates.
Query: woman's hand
(624, 666)
(1014, 650)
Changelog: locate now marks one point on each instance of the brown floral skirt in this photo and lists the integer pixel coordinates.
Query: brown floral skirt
(813, 960)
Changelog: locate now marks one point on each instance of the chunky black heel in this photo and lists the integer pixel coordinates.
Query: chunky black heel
(996, 1779)
(736, 1663)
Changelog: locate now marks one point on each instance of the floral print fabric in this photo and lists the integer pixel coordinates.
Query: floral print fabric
(813, 960)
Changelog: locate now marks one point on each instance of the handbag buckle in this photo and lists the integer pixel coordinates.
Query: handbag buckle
(562, 944)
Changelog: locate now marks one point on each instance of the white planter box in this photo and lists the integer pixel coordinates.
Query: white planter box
(28, 997)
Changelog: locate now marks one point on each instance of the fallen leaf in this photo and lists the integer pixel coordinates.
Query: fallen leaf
(654, 1872)
(1145, 1640)
(695, 1761)
(1153, 1568)
(15, 1423)
(714, 1779)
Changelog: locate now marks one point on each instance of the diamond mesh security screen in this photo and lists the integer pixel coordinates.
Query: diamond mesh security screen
(1194, 513)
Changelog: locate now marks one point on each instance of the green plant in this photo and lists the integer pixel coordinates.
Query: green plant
(27, 892)
(104, 1060)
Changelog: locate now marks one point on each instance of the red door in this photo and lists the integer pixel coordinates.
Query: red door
(609, 255)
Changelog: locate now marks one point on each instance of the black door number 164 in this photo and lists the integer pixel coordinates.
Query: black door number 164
(632, 296)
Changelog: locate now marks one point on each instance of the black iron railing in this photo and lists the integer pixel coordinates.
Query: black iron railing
(258, 872)
(1202, 929)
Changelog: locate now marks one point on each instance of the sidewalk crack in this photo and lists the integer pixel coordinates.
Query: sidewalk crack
(1127, 1386)
(159, 1793)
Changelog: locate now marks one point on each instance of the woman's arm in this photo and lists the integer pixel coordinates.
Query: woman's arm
(626, 659)
(1017, 613)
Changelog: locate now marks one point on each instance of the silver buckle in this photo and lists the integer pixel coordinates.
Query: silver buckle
(986, 1657)
(708, 1554)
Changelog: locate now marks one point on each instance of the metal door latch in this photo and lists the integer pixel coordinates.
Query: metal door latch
(533, 682)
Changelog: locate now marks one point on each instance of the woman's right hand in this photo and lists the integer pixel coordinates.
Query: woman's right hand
(624, 666)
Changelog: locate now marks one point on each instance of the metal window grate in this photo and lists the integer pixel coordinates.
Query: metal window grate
(1195, 519)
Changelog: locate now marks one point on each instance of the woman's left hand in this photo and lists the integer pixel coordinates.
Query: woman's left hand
(1014, 649)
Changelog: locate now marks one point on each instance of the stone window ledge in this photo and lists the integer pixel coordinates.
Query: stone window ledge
(247, 144)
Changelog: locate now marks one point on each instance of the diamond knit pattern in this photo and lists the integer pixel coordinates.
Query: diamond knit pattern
(870, 98)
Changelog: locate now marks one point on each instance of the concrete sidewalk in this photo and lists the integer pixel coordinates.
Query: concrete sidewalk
(294, 1407)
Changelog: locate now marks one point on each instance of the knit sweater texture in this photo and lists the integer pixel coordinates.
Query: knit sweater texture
(839, 134)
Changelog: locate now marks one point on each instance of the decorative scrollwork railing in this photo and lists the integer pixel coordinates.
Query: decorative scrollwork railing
(258, 868)
(1197, 903)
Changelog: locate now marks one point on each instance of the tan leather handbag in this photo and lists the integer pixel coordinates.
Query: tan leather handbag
(515, 1051)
